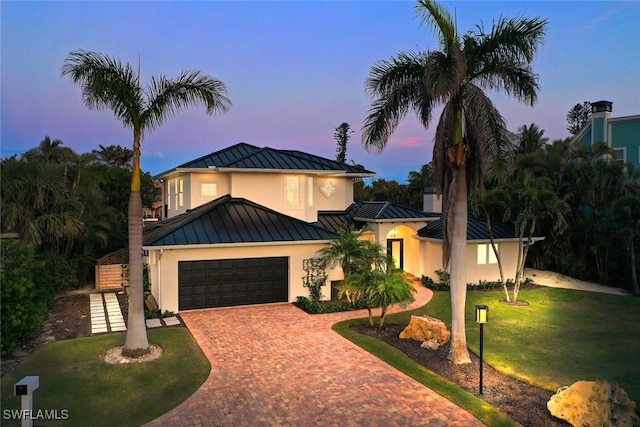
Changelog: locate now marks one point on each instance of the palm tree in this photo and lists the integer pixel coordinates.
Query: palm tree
(114, 155)
(531, 138)
(107, 83)
(538, 201)
(470, 130)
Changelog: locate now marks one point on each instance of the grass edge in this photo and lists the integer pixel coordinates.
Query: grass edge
(400, 361)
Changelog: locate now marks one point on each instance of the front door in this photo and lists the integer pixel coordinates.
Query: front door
(395, 248)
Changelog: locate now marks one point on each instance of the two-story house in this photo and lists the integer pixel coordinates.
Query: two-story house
(239, 223)
(622, 134)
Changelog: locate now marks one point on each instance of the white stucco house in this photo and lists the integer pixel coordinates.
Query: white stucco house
(239, 222)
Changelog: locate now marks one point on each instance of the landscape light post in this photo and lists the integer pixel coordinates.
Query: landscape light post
(482, 317)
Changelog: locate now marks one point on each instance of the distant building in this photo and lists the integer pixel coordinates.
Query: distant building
(620, 133)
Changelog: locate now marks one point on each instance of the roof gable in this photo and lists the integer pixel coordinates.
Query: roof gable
(232, 220)
(389, 211)
(360, 212)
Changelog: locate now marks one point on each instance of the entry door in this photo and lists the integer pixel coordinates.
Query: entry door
(395, 248)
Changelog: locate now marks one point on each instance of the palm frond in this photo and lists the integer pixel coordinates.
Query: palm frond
(167, 97)
(395, 85)
(489, 144)
(437, 17)
(106, 83)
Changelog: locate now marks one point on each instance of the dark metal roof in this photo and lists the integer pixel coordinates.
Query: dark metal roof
(232, 220)
(247, 156)
(389, 211)
(361, 212)
(222, 157)
(476, 230)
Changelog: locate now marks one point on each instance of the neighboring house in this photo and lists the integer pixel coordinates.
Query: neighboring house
(240, 221)
(622, 134)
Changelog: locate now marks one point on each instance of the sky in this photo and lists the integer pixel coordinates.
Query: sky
(294, 70)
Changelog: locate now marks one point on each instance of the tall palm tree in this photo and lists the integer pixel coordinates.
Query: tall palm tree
(107, 83)
(470, 131)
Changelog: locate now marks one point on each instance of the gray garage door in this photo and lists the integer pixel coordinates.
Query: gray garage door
(229, 282)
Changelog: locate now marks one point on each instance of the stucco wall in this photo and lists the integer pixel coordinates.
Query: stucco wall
(220, 179)
(164, 267)
(475, 271)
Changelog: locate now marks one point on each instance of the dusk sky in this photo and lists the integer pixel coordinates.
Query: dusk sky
(294, 71)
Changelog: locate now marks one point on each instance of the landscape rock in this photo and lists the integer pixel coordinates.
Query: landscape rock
(433, 332)
(594, 403)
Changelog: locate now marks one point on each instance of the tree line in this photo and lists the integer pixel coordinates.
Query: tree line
(65, 211)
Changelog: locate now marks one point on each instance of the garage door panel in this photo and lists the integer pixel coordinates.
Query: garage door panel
(229, 282)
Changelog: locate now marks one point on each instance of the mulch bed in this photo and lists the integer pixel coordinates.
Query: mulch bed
(522, 402)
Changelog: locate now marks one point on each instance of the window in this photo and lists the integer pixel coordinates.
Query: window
(292, 192)
(180, 193)
(310, 191)
(168, 194)
(619, 155)
(486, 254)
(208, 189)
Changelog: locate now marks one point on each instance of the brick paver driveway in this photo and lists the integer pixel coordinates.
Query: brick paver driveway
(276, 365)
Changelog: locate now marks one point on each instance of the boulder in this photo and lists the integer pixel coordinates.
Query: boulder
(433, 332)
(594, 403)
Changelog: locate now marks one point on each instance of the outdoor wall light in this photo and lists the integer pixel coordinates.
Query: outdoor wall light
(482, 317)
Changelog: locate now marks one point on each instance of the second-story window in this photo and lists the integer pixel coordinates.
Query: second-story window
(208, 189)
(291, 192)
(310, 191)
(179, 193)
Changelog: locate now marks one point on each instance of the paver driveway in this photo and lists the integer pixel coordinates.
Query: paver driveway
(275, 365)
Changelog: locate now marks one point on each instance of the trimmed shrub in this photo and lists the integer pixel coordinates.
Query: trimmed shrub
(319, 307)
(444, 285)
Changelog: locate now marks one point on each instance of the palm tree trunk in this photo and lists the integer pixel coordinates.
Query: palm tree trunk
(458, 352)
(136, 342)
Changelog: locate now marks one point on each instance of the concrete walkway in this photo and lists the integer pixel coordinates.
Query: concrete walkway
(557, 280)
(275, 365)
(106, 315)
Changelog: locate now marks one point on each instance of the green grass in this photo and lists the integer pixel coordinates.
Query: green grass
(396, 358)
(74, 376)
(563, 336)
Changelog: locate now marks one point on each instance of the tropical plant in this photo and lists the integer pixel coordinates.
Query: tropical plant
(537, 201)
(37, 203)
(470, 131)
(114, 155)
(108, 83)
(531, 138)
(392, 287)
(350, 251)
(341, 136)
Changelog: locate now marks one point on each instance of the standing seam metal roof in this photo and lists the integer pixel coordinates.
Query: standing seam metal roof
(247, 156)
(476, 230)
(232, 220)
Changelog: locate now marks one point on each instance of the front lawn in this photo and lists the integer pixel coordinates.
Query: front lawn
(563, 335)
(74, 377)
